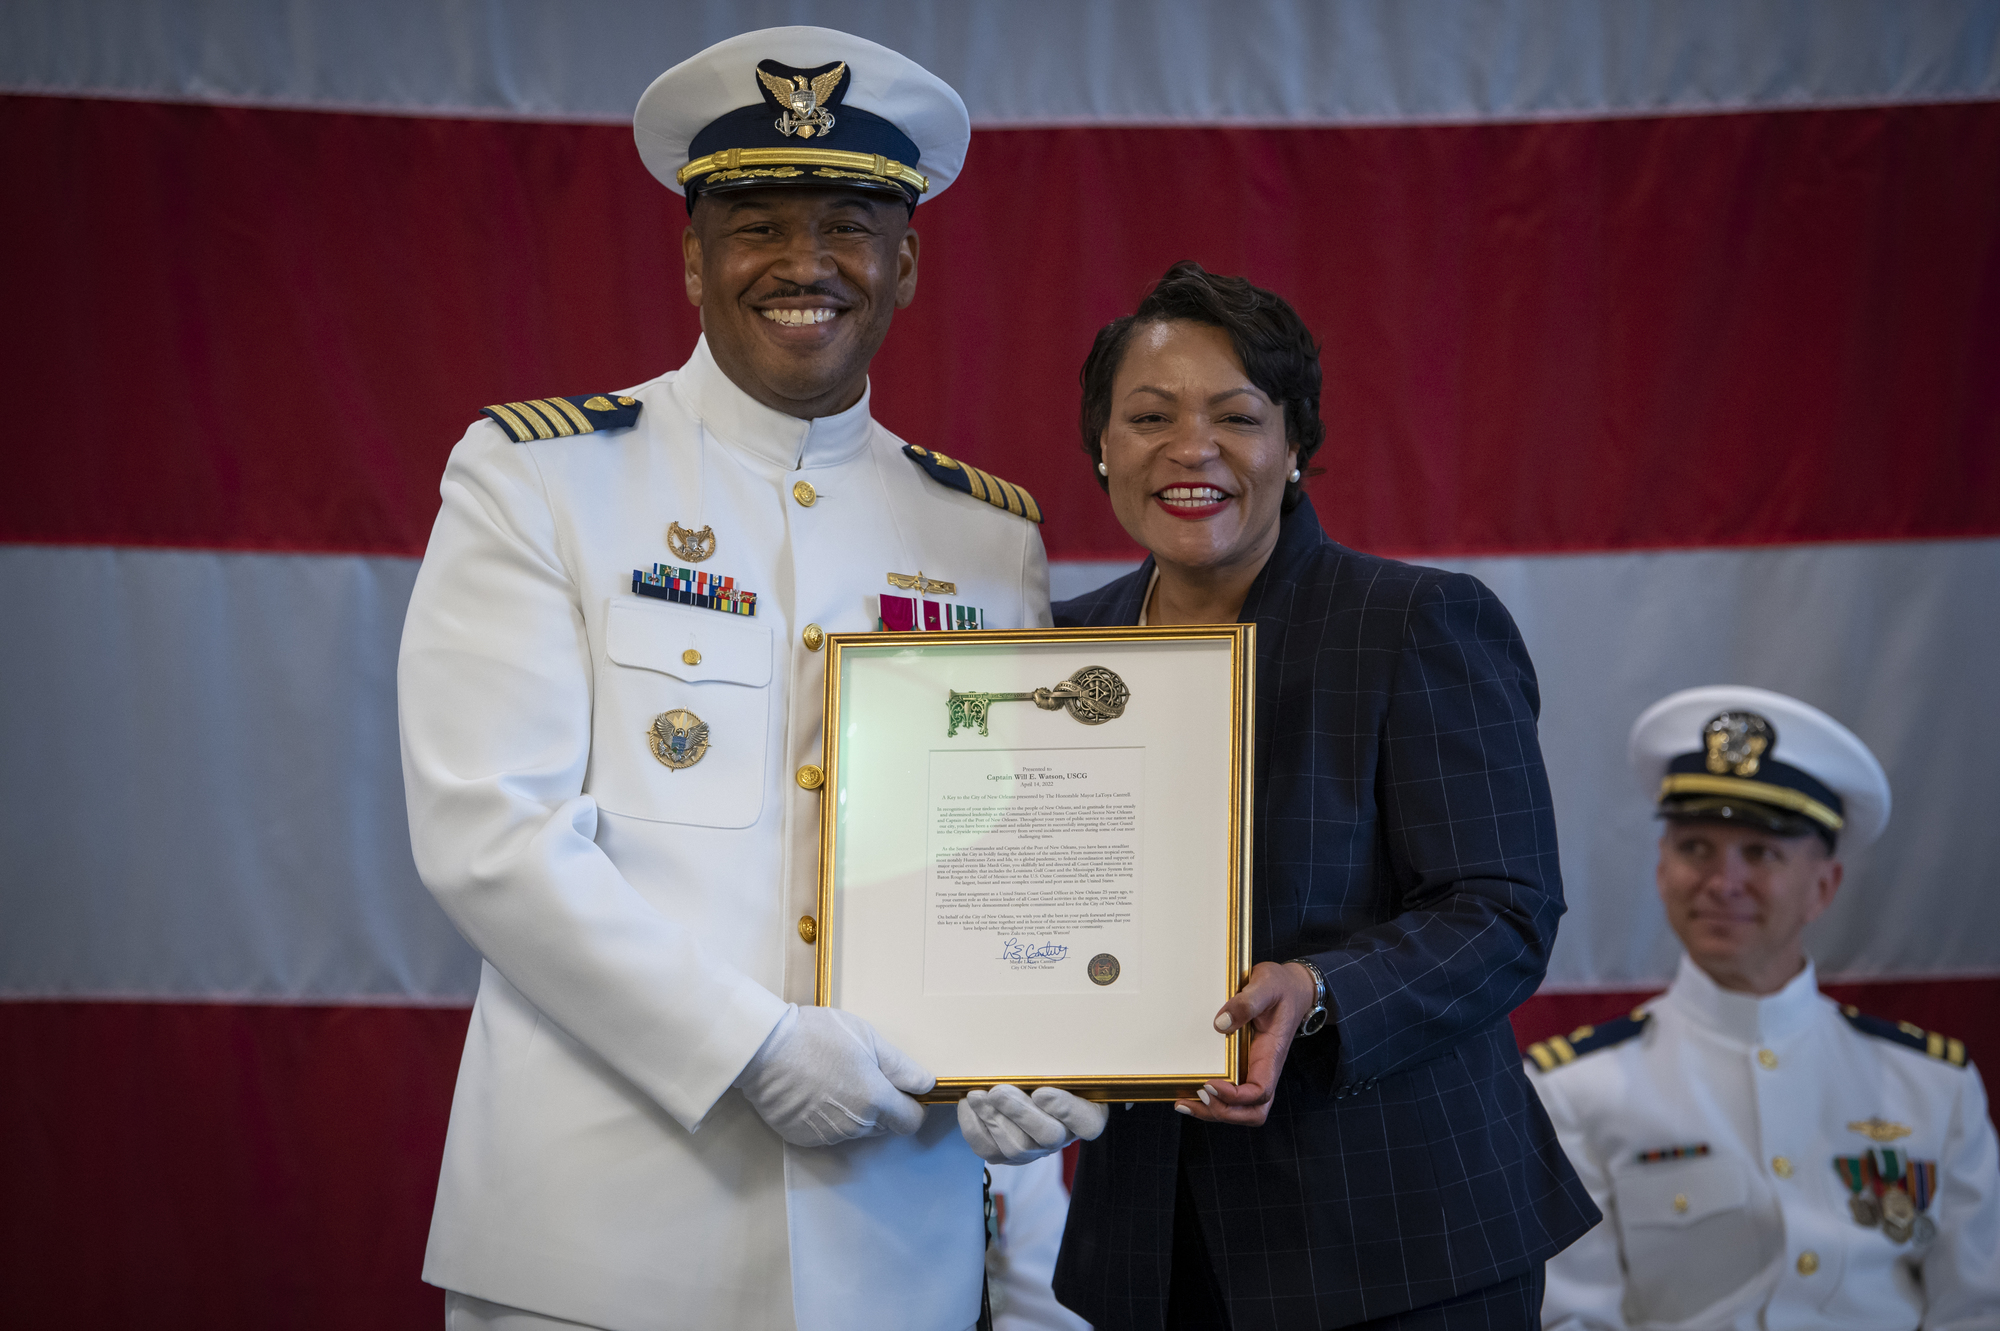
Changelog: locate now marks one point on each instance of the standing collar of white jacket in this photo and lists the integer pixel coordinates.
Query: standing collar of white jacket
(739, 421)
(1746, 1017)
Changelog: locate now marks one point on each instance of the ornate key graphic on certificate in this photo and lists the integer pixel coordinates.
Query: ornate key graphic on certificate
(1093, 695)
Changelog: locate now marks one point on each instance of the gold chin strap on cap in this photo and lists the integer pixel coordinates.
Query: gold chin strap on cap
(1763, 792)
(868, 166)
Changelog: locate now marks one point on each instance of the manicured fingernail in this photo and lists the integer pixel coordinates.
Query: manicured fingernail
(1223, 1023)
(1183, 1109)
(1203, 1094)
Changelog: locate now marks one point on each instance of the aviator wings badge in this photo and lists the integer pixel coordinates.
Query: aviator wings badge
(804, 100)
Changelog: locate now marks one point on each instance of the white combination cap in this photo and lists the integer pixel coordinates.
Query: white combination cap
(1728, 752)
(802, 106)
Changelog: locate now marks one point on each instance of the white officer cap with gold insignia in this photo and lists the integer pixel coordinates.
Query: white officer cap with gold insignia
(802, 106)
(1731, 753)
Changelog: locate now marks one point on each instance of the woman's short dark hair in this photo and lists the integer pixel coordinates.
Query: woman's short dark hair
(1278, 352)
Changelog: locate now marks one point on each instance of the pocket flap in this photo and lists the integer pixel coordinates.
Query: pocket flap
(1679, 1192)
(688, 643)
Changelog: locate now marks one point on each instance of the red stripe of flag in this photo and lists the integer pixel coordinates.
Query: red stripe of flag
(264, 329)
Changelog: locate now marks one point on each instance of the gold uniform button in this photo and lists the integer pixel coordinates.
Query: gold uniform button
(1781, 1166)
(808, 928)
(1680, 1203)
(805, 494)
(1766, 1059)
(810, 777)
(813, 637)
(691, 657)
(1808, 1262)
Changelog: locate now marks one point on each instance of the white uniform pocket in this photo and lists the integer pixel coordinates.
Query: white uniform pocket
(659, 657)
(1683, 1217)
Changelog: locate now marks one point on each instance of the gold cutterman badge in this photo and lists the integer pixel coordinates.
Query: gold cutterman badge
(917, 582)
(1736, 742)
(678, 738)
(804, 116)
(693, 546)
(1877, 1129)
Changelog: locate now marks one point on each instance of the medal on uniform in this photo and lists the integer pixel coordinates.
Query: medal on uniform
(1890, 1174)
(909, 614)
(678, 738)
(1921, 1175)
(1854, 1172)
(693, 546)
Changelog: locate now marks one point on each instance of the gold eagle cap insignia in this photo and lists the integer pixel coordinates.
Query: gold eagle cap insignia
(804, 102)
(1735, 743)
(1876, 1129)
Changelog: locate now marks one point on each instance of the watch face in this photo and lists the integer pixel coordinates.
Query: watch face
(1314, 1020)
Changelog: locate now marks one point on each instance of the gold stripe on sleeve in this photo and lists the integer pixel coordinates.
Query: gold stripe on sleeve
(1013, 493)
(534, 419)
(515, 425)
(555, 418)
(576, 418)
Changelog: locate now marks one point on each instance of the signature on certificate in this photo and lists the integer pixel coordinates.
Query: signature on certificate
(1016, 950)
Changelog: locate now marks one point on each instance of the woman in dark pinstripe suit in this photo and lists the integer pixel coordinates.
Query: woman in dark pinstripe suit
(1391, 1167)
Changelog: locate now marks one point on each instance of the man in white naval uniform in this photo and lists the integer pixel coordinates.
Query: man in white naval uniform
(1765, 1158)
(612, 774)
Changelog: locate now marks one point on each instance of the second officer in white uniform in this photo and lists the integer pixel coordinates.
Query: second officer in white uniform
(1765, 1158)
(610, 701)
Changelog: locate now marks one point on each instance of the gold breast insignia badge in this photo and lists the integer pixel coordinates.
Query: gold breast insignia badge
(693, 546)
(1877, 1129)
(678, 738)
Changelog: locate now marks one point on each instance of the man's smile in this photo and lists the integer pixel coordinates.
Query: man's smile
(795, 318)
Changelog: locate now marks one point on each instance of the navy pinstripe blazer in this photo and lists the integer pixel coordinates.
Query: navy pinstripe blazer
(1405, 842)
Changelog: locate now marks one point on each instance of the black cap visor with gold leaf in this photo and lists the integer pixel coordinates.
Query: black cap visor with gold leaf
(1734, 779)
(802, 134)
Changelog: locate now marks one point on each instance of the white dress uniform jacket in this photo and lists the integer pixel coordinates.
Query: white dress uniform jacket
(640, 924)
(1757, 1232)
(1021, 1261)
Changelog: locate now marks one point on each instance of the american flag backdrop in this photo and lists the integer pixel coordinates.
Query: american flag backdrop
(1677, 323)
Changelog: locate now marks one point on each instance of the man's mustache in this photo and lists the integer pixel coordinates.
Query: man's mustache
(792, 291)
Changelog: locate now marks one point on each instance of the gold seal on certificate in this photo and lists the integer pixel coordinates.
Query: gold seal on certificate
(1012, 896)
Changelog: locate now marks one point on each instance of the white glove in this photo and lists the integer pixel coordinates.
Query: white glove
(1004, 1126)
(825, 1076)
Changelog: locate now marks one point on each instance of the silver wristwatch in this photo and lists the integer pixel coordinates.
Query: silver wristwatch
(1317, 1017)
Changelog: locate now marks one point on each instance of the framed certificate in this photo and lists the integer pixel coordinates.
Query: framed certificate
(1034, 852)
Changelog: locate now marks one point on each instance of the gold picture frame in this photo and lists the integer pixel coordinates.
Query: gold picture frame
(941, 802)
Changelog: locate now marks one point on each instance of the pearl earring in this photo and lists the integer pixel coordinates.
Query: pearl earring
(1295, 475)
(1103, 470)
